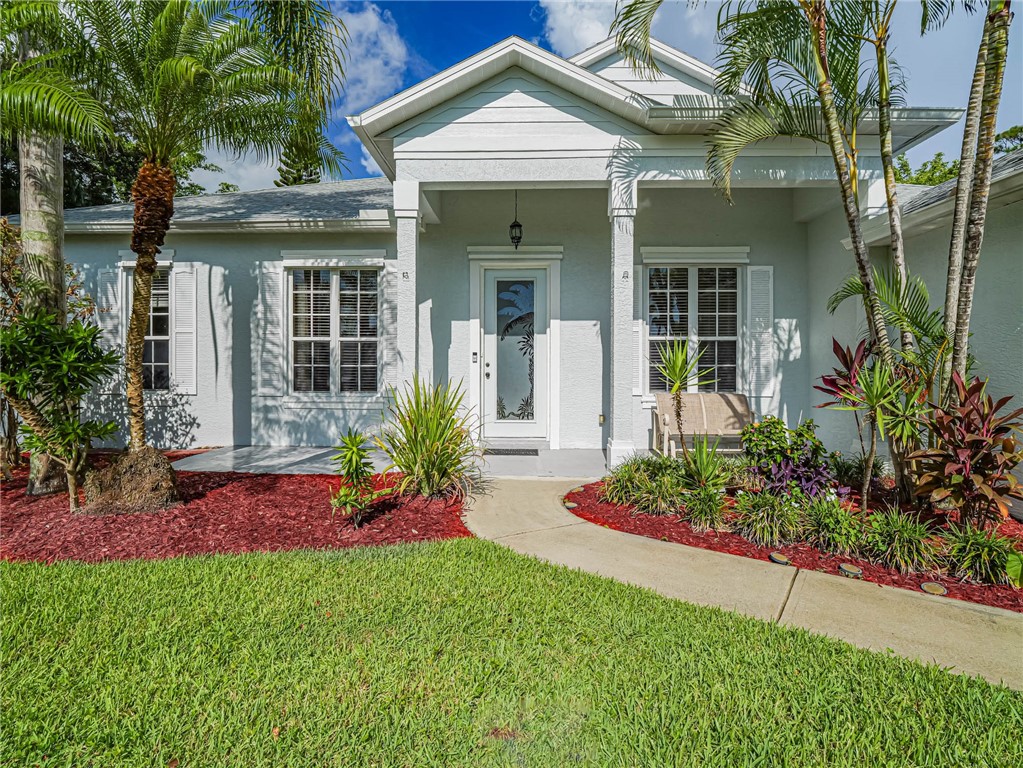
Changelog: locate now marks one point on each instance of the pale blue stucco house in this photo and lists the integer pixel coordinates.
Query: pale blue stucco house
(282, 315)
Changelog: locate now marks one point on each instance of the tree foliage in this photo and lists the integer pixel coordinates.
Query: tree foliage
(931, 172)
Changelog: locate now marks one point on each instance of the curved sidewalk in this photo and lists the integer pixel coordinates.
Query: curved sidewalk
(527, 516)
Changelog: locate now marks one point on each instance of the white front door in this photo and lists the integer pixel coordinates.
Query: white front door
(515, 364)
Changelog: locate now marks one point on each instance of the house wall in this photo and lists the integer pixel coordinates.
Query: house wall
(761, 219)
(996, 320)
(226, 409)
(669, 86)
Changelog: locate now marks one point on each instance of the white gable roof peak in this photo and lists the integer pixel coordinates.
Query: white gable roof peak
(511, 52)
(662, 53)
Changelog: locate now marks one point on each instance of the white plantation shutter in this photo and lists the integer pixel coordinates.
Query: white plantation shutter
(183, 334)
(108, 318)
(389, 325)
(271, 376)
(761, 358)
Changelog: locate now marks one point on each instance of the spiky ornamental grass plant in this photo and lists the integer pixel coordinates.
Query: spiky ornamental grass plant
(977, 554)
(429, 439)
(768, 520)
(832, 527)
(681, 370)
(705, 508)
(652, 484)
(898, 540)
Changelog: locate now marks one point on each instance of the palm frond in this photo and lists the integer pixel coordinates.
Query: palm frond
(34, 97)
(748, 123)
(631, 28)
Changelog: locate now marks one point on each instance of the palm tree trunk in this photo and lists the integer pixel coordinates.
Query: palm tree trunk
(868, 464)
(41, 162)
(967, 163)
(884, 111)
(817, 16)
(999, 19)
(153, 193)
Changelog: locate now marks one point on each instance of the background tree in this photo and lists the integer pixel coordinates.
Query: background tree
(931, 172)
(1009, 140)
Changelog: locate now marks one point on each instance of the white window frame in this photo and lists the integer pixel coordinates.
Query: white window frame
(169, 338)
(127, 262)
(333, 261)
(692, 259)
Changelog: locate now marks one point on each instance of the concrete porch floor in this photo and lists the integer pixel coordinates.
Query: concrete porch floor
(282, 460)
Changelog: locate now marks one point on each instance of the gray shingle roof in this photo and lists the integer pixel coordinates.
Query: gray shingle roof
(313, 202)
(1003, 167)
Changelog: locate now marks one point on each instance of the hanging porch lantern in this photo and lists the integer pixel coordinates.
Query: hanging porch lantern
(515, 229)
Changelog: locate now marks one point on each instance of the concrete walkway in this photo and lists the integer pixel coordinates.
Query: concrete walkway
(527, 516)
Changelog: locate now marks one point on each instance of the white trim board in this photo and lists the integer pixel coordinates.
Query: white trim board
(512, 254)
(735, 254)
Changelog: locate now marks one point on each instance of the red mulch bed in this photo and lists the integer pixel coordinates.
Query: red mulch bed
(673, 528)
(223, 512)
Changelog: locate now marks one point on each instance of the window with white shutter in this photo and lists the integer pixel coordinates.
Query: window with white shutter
(701, 304)
(335, 330)
(156, 364)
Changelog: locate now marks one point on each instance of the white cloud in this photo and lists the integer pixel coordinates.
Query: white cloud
(244, 171)
(574, 25)
(368, 163)
(571, 26)
(377, 57)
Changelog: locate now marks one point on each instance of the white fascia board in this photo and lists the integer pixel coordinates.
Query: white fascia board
(477, 69)
(372, 223)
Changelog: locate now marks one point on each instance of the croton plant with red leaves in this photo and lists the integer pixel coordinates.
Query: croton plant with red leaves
(977, 448)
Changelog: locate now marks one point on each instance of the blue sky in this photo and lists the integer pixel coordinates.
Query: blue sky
(396, 44)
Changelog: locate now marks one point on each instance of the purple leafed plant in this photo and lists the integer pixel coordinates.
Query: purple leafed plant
(809, 477)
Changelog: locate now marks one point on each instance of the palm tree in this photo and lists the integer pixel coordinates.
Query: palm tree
(995, 45)
(789, 71)
(42, 105)
(181, 76)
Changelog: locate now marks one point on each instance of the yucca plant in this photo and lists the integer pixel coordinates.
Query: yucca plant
(680, 370)
(766, 519)
(704, 467)
(356, 494)
(429, 439)
(977, 554)
(705, 508)
(898, 540)
(660, 495)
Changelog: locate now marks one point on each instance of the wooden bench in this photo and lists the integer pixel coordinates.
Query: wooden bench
(719, 416)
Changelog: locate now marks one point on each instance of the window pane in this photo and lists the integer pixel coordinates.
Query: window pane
(658, 279)
(707, 325)
(728, 325)
(159, 325)
(161, 377)
(658, 325)
(728, 302)
(368, 303)
(303, 378)
(321, 325)
(728, 278)
(368, 280)
(321, 379)
(349, 303)
(321, 280)
(368, 353)
(679, 280)
(707, 302)
(349, 327)
(321, 353)
(349, 280)
(658, 302)
(161, 351)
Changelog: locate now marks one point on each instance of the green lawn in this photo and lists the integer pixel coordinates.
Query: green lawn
(457, 653)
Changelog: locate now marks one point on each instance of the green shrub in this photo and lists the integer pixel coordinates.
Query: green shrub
(899, 541)
(831, 527)
(356, 494)
(705, 508)
(977, 554)
(848, 470)
(768, 520)
(429, 439)
(639, 481)
(704, 467)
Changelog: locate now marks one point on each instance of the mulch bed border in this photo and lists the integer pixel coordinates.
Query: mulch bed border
(673, 528)
(222, 513)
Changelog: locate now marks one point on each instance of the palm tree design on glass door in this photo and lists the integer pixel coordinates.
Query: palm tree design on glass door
(515, 312)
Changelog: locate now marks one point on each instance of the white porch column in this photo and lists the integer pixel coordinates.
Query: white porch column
(407, 217)
(623, 217)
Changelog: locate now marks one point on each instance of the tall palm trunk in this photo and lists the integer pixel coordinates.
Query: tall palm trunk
(817, 15)
(153, 193)
(967, 164)
(884, 114)
(999, 18)
(41, 161)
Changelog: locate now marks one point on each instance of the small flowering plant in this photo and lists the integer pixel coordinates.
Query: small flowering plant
(786, 459)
